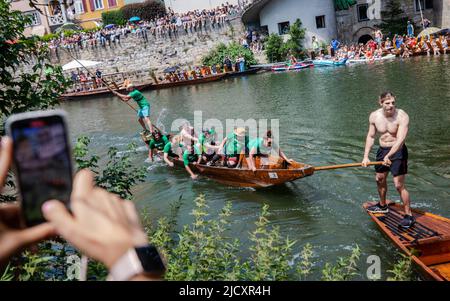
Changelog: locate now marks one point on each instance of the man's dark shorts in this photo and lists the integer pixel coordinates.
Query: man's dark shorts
(399, 161)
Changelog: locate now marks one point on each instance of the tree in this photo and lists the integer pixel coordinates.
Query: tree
(294, 44)
(274, 44)
(233, 51)
(113, 17)
(394, 19)
(37, 88)
(277, 50)
(147, 10)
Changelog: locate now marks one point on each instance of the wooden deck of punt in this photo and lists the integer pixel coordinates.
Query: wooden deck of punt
(267, 175)
(427, 241)
(197, 81)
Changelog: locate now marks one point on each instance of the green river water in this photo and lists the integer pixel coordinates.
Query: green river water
(323, 115)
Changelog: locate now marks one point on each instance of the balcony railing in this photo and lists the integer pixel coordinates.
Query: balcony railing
(56, 20)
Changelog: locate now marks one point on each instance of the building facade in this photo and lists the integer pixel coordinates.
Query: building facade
(355, 24)
(275, 16)
(39, 22)
(358, 23)
(88, 13)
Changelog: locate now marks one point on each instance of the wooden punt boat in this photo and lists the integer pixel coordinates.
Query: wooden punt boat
(101, 92)
(427, 242)
(275, 173)
(197, 81)
(242, 73)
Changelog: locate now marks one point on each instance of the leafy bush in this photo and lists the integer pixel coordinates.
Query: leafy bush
(48, 37)
(274, 48)
(113, 17)
(147, 10)
(233, 51)
(277, 50)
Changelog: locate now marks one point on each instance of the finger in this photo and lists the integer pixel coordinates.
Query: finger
(82, 185)
(35, 234)
(5, 158)
(57, 214)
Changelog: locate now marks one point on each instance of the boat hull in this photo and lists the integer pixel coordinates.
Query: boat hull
(188, 82)
(427, 242)
(247, 178)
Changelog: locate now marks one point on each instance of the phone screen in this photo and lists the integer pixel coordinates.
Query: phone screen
(43, 163)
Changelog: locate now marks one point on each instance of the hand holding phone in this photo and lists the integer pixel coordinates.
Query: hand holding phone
(12, 235)
(42, 160)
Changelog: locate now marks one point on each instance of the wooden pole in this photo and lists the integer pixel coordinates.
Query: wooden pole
(345, 166)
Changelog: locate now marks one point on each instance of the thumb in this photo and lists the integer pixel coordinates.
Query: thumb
(57, 214)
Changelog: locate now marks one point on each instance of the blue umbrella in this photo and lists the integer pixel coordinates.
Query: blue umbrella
(110, 26)
(134, 19)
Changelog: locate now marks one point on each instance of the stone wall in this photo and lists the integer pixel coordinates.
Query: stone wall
(157, 54)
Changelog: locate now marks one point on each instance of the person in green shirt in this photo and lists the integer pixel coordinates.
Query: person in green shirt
(156, 144)
(262, 147)
(207, 145)
(231, 148)
(172, 149)
(191, 155)
(144, 106)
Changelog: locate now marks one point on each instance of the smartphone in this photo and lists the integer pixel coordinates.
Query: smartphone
(42, 160)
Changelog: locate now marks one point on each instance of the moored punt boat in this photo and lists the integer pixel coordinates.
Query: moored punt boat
(196, 81)
(329, 62)
(274, 174)
(242, 73)
(101, 91)
(427, 242)
(297, 66)
(365, 61)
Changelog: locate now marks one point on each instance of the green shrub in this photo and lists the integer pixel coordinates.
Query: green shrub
(113, 17)
(274, 48)
(147, 10)
(233, 51)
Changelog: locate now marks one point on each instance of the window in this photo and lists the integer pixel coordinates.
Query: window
(112, 3)
(425, 4)
(79, 8)
(35, 19)
(98, 4)
(283, 28)
(320, 21)
(362, 12)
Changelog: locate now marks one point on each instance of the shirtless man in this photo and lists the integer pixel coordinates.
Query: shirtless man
(392, 125)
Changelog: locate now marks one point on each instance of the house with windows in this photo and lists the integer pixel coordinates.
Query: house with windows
(182, 6)
(88, 13)
(275, 16)
(39, 24)
(358, 22)
(350, 21)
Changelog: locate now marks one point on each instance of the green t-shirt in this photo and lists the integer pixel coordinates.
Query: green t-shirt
(233, 145)
(188, 157)
(258, 143)
(139, 98)
(158, 144)
(167, 147)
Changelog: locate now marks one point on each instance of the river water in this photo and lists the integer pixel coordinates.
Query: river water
(323, 116)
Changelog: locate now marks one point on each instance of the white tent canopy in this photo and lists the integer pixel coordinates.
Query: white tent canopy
(79, 64)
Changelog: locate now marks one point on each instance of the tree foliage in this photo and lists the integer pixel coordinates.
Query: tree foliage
(233, 51)
(277, 50)
(113, 17)
(147, 10)
(393, 18)
(39, 87)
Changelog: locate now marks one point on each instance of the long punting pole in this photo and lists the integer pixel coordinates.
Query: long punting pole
(104, 81)
(345, 166)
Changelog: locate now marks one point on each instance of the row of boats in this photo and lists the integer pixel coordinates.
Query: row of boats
(325, 63)
(149, 85)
